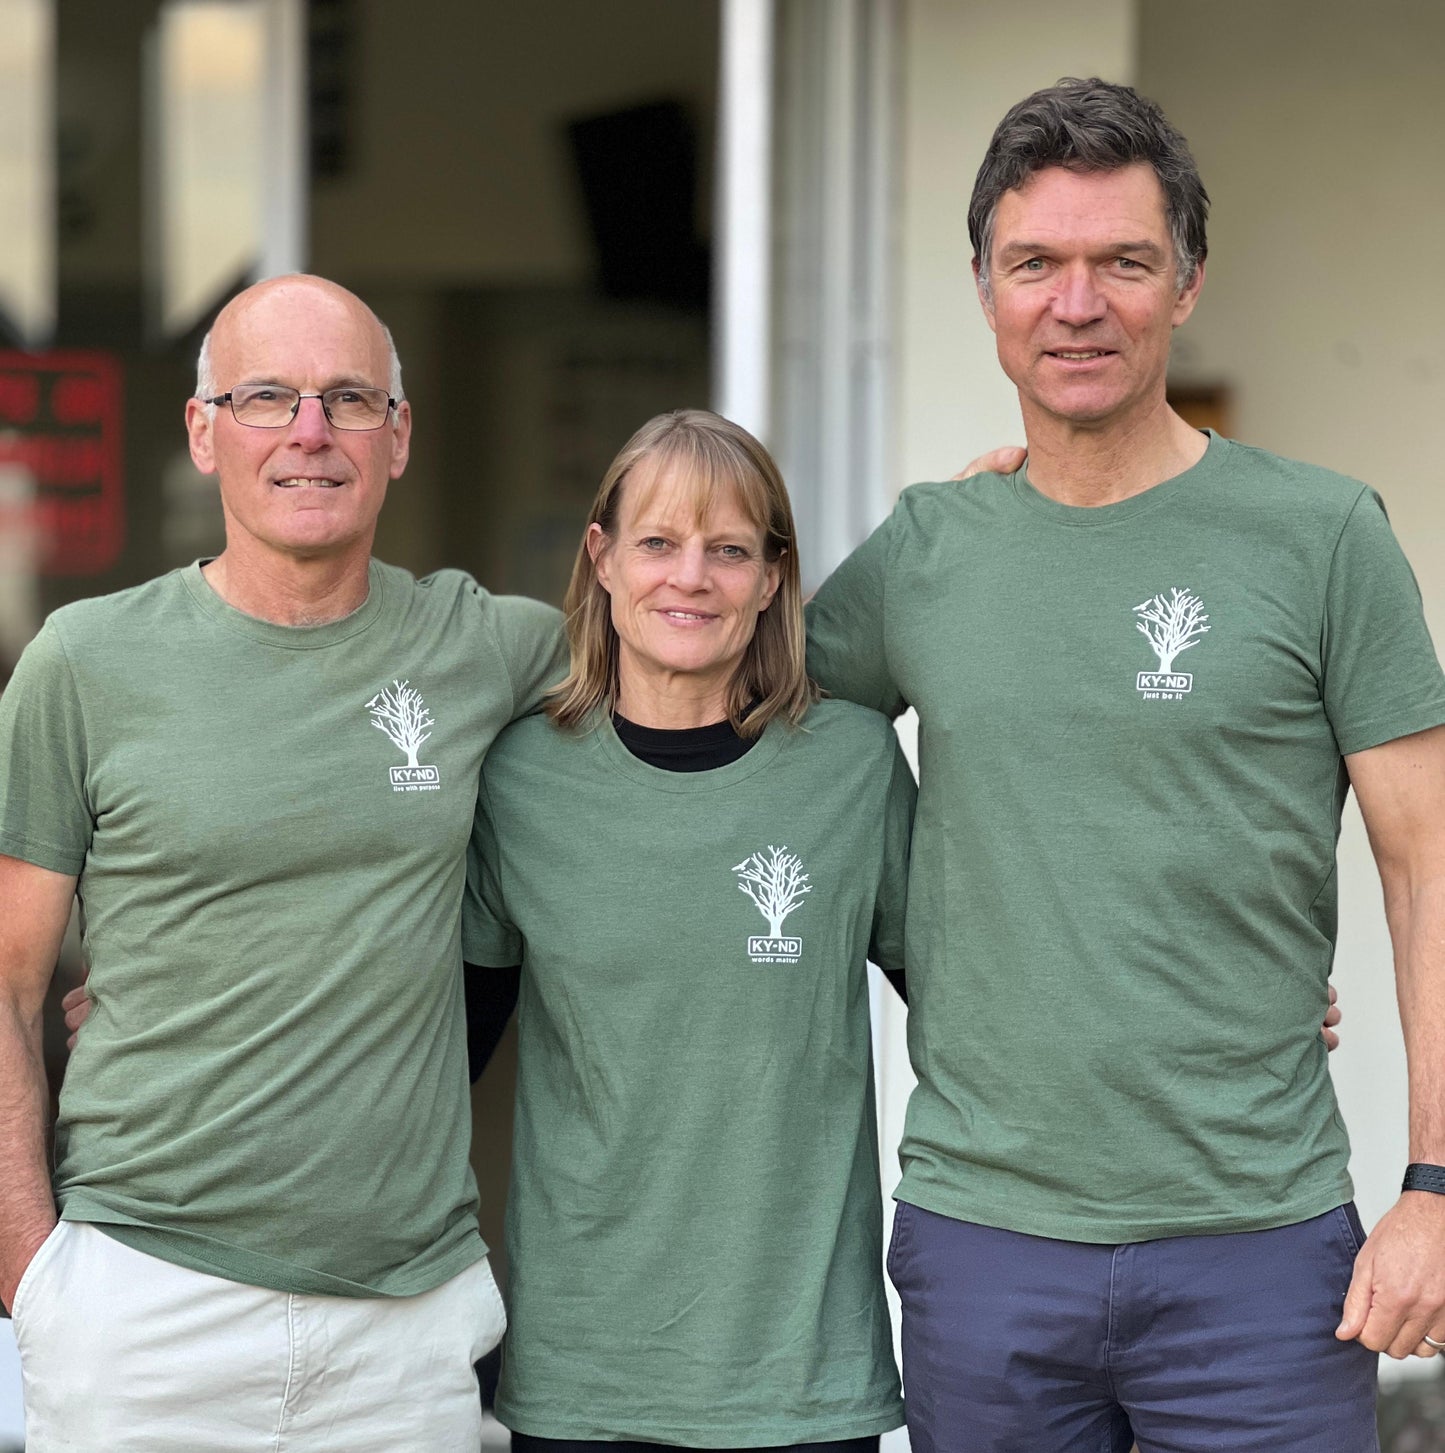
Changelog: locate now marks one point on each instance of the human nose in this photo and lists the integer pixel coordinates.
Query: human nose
(310, 427)
(1078, 299)
(690, 567)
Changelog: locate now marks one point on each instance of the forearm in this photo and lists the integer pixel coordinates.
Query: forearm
(1397, 1294)
(1416, 915)
(1396, 1297)
(27, 1208)
(1400, 786)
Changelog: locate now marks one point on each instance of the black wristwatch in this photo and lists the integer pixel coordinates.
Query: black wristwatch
(1422, 1177)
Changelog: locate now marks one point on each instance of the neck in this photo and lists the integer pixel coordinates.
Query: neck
(290, 592)
(673, 702)
(1082, 465)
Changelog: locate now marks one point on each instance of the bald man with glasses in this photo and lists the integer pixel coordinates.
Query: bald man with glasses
(258, 774)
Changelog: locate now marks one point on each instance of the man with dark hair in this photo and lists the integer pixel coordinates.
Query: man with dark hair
(1147, 665)
(1091, 126)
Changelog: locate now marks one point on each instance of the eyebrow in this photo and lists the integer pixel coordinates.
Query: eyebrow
(346, 380)
(649, 522)
(1145, 248)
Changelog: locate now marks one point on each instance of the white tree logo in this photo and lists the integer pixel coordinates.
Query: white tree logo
(402, 715)
(400, 712)
(775, 882)
(1172, 626)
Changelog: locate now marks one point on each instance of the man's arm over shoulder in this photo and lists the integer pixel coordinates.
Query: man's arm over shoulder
(489, 938)
(1397, 1294)
(534, 648)
(34, 909)
(891, 906)
(847, 637)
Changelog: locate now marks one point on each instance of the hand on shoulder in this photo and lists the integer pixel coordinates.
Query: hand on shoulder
(997, 461)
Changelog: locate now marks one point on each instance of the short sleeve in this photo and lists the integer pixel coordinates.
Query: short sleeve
(1381, 676)
(488, 936)
(847, 653)
(45, 814)
(891, 905)
(534, 648)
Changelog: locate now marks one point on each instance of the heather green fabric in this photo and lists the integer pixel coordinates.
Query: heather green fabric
(272, 1086)
(693, 1232)
(1122, 904)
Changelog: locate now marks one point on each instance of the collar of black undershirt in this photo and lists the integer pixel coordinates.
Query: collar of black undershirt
(690, 749)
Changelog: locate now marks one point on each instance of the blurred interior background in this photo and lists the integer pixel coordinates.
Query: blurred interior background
(576, 213)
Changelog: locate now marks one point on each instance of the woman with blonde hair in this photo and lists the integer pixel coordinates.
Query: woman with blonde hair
(693, 857)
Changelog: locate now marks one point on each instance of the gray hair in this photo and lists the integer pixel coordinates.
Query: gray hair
(1091, 126)
(206, 385)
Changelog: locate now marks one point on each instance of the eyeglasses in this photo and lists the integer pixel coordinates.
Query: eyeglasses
(273, 406)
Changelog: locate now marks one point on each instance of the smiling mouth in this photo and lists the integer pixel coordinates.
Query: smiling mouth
(686, 615)
(1080, 355)
(299, 483)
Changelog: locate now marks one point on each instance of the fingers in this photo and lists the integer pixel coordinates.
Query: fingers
(1332, 1018)
(1357, 1299)
(1395, 1326)
(1397, 1323)
(77, 1007)
(1409, 1341)
(996, 461)
(1397, 1292)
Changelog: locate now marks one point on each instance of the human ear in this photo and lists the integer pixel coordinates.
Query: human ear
(198, 435)
(401, 439)
(985, 299)
(597, 552)
(1188, 296)
(773, 575)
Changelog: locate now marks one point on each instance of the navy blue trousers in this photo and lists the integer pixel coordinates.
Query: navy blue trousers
(1190, 1344)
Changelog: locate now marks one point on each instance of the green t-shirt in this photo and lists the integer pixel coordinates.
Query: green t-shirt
(270, 825)
(1122, 904)
(693, 1231)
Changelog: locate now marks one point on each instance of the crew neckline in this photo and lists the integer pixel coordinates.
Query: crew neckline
(1093, 516)
(672, 747)
(291, 638)
(614, 751)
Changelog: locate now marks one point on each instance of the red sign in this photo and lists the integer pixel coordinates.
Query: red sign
(60, 423)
